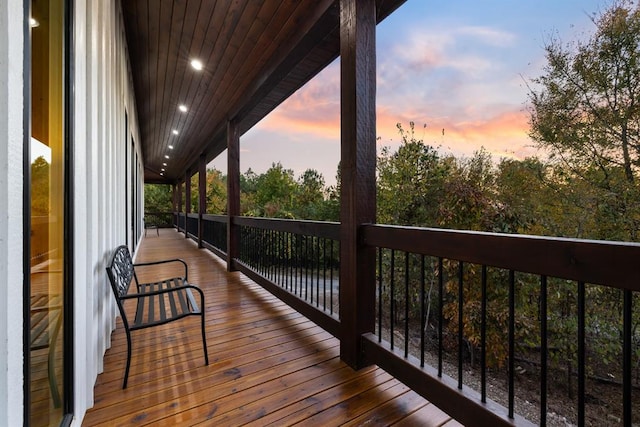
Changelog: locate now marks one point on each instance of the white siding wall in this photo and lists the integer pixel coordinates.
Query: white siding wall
(11, 156)
(102, 163)
(102, 156)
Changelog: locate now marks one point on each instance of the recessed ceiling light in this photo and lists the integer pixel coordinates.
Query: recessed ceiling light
(171, 147)
(33, 22)
(162, 173)
(182, 108)
(197, 65)
(175, 131)
(164, 164)
(166, 156)
(162, 170)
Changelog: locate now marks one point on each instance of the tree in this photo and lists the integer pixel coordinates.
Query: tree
(410, 182)
(40, 187)
(216, 192)
(585, 110)
(275, 192)
(157, 198)
(310, 195)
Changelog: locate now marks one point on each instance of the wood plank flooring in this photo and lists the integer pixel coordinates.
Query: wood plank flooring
(269, 365)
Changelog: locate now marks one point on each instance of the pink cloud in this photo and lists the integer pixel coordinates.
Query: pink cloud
(503, 134)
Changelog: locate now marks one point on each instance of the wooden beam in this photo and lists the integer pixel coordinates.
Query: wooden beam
(233, 192)
(358, 167)
(202, 196)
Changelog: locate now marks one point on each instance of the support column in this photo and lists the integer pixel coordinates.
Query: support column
(187, 202)
(179, 203)
(233, 192)
(174, 202)
(358, 179)
(202, 196)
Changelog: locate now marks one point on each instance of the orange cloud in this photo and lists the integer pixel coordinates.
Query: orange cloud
(503, 134)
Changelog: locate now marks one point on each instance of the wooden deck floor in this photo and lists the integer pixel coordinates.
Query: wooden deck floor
(269, 365)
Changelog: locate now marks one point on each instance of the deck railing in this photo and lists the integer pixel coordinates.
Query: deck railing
(296, 260)
(487, 288)
(192, 224)
(214, 233)
(456, 305)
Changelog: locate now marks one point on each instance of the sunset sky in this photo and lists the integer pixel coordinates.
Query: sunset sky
(460, 66)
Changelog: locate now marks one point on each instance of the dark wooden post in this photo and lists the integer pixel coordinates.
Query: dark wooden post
(187, 202)
(179, 203)
(202, 196)
(174, 203)
(233, 192)
(358, 168)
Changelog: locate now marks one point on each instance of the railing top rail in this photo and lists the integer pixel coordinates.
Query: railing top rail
(215, 218)
(597, 262)
(328, 230)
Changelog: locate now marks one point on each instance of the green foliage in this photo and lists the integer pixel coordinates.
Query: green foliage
(216, 192)
(584, 112)
(411, 182)
(157, 198)
(40, 187)
(275, 190)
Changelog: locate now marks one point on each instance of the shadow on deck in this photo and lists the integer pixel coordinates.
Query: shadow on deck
(269, 365)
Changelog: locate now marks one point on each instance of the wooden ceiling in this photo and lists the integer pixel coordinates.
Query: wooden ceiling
(255, 55)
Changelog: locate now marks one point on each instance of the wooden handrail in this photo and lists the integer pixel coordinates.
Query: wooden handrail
(571, 259)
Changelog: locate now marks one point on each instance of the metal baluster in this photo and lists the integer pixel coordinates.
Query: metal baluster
(324, 274)
(581, 354)
(331, 278)
(392, 297)
(460, 321)
(423, 319)
(379, 294)
(483, 337)
(440, 315)
(543, 351)
(406, 304)
(512, 344)
(626, 357)
(306, 270)
(317, 246)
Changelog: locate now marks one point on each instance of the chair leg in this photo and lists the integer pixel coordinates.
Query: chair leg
(204, 339)
(126, 371)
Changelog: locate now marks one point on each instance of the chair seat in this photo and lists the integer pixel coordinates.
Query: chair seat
(156, 309)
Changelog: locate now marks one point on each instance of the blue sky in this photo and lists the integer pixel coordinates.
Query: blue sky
(460, 66)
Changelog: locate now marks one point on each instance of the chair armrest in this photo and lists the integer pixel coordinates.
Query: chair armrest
(163, 291)
(164, 261)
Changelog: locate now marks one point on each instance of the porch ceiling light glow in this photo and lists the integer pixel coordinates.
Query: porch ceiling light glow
(166, 156)
(182, 108)
(164, 164)
(34, 22)
(171, 147)
(175, 132)
(197, 65)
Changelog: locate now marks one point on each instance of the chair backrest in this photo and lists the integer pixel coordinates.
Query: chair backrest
(120, 271)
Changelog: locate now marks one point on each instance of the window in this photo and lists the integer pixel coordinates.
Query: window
(47, 379)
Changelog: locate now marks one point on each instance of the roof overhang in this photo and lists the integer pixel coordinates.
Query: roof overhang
(255, 55)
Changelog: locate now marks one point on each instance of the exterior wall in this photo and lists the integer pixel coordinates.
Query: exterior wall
(102, 180)
(101, 194)
(11, 177)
